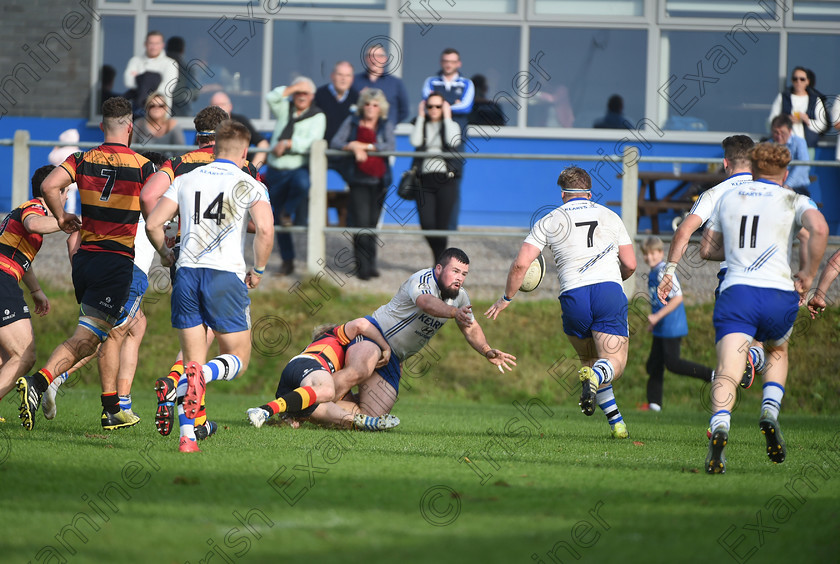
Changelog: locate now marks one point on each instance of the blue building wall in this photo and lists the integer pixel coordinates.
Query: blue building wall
(509, 193)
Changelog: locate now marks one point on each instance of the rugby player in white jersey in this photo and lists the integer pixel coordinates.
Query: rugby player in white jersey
(211, 288)
(424, 302)
(736, 164)
(753, 227)
(593, 254)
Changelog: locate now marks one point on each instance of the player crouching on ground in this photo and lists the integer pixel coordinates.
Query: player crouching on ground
(307, 385)
(753, 227)
(594, 254)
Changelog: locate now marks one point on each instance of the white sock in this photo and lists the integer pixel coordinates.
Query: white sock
(223, 367)
(757, 356)
(605, 398)
(187, 425)
(605, 371)
(772, 402)
(721, 418)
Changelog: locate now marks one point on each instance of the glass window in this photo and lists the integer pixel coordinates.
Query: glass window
(492, 51)
(313, 48)
(589, 8)
(821, 11)
(736, 9)
(575, 89)
(117, 42)
(809, 51)
(718, 81)
(220, 53)
(426, 14)
(273, 7)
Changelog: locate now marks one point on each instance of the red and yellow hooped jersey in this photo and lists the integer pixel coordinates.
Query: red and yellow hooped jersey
(18, 246)
(109, 178)
(330, 349)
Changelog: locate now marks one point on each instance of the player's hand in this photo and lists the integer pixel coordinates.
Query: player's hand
(168, 259)
(384, 358)
(252, 279)
(42, 303)
(816, 305)
(664, 288)
(802, 283)
(496, 308)
(69, 223)
(652, 321)
(464, 316)
(501, 359)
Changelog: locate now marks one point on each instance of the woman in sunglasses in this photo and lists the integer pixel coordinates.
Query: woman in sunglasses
(804, 106)
(158, 127)
(367, 131)
(436, 132)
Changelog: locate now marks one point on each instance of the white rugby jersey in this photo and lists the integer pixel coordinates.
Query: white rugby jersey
(584, 237)
(705, 204)
(144, 251)
(406, 327)
(758, 221)
(213, 202)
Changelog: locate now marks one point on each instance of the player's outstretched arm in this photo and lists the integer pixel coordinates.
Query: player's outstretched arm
(42, 303)
(263, 241)
(474, 335)
(51, 188)
(43, 225)
(516, 274)
(817, 303)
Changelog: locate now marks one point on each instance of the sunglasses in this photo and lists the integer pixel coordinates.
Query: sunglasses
(156, 106)
(799, 78)
(434, 107)
(374, 104)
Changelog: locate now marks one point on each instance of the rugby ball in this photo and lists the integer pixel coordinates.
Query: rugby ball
(534, 275)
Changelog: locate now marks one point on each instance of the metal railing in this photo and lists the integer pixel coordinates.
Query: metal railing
(317, 227)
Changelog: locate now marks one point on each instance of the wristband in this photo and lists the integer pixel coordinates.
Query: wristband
(507, 299)
(33, 291)
(670, 268)
(258, 271)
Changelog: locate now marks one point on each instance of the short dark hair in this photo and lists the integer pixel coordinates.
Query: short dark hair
(116, 107)
(38, 179)
(175, 44)
(450, 51)
(480, 83)
(207, 120)
(156, 158)
(736, 148)
(574, 178)
(154, 32)
(782, 120)
(615, 104)
(453, 253)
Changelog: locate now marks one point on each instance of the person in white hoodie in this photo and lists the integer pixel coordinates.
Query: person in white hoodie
(154, 60)
(58, 155)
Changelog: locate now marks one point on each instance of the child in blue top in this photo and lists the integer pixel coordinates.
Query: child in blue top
(668, 324)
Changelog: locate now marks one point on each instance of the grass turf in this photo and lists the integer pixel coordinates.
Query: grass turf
(549, 481)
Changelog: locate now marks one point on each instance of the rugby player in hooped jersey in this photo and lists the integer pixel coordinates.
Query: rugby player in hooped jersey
(753, 227)
(211, 287)
(109, 178)
(594, 254)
